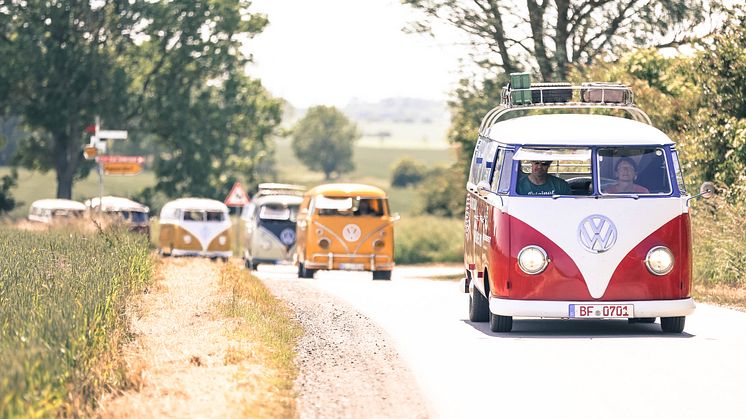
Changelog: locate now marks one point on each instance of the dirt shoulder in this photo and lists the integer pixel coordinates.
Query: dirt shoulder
(178, 360)
(348, 365)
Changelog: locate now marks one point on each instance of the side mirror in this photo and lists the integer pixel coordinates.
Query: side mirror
(707, 190)
(395, 217)
(483, 188)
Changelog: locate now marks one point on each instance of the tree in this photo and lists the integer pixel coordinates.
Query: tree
(170, 69)
(407, 172)
(443, 194)
(549, 36)
(215, 138)
(715, 140)
(59, 70)
(323, 141)
(7, 202)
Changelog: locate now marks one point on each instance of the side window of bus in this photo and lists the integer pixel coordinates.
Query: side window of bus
(679, 172)
(488, 162)
(502, 175)
(476, 161)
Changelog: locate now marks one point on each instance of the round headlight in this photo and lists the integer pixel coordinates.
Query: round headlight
(659, 260)
(532, 260)
(222, 240)
(187, 239)
(378, 244)
(324, 243)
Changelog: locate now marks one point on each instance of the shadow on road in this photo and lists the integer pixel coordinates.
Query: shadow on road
(578, 329)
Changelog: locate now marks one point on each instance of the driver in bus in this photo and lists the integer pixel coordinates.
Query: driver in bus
(539, 182)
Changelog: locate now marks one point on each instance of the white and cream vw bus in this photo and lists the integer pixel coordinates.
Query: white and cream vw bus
(55, 210)
(605, 236)
(133, 214)
(269, 224)
(195, 227)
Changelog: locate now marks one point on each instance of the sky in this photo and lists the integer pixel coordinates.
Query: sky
(330, 52)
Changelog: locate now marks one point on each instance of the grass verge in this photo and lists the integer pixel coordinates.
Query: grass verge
(63, 296)
(428, 239)
(719, 252)
(266, 322)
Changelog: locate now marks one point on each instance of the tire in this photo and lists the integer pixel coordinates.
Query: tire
(247, 264)
(382, 275)
(306, 273)
(479, 306)
(673, 324)
(500, 324)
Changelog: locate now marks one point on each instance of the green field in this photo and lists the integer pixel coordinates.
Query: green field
(372, 165)
(64, 295)
(409, 135)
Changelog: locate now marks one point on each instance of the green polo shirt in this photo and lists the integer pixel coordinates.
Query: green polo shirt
(553, 186)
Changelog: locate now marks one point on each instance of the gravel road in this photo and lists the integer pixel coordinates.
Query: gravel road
(349, 367)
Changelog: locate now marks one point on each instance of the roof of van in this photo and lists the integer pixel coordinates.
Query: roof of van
(575, 129)
(116, 203)
(58, 204)
(278, 199)
(346, 189)
(196, 204)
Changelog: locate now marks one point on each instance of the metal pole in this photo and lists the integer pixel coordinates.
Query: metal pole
(100, 185)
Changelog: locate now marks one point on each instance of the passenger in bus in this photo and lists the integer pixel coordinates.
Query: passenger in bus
(626, 173)
(539, 182)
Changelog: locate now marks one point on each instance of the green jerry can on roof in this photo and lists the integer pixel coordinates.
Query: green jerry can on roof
(519, 81)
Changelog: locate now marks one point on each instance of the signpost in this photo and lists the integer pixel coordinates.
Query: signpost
(237, 197)
(110, 165)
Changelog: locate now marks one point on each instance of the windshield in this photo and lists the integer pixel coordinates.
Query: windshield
(278, 212)
(554, 171)
(348, 206)
(197, 215)
(636, 171)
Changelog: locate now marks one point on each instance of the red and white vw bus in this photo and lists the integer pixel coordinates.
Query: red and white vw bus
(607, 234)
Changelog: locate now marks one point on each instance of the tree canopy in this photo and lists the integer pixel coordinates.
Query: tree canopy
(323, 141)
(548, 36)
(172, 70)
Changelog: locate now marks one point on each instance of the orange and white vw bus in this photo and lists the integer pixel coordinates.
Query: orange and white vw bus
(345, 226)
(606, 235)
(195, 227)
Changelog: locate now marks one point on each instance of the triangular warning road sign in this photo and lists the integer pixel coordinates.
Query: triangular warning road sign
(237, 196)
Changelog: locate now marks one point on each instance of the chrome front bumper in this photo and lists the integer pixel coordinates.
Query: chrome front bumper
(370, 261)
(560, 309)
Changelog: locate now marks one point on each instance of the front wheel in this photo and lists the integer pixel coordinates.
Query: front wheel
(673, 324)
(305, 272)
(501, 324)
(383, 275)
(479, 306)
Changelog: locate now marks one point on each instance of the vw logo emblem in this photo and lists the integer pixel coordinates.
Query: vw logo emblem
(597, 233)
(287, 237)
(351, 232)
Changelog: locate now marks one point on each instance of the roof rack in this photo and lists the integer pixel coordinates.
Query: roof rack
(521, 95)
(265, 189)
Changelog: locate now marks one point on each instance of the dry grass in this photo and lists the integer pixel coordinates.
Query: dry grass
(268, 367)
(722, 295)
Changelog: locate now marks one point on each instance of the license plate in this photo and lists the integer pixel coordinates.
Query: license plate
(351, 266)
(602, 311)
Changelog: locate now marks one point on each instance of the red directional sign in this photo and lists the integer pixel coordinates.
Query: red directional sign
(121, 159)
(237, 196)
